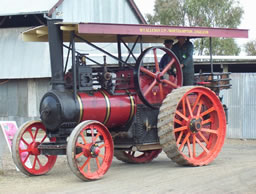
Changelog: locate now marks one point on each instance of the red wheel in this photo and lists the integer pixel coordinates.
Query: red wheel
(137, 157)
(152, 82)
(192, 126)
(90, 150)
(25, 152)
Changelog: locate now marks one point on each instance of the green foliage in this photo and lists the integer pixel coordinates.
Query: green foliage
(207, 13)
(250, 48)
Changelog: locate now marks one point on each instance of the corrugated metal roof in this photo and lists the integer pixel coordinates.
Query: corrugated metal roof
(99, 11)
(23, 7)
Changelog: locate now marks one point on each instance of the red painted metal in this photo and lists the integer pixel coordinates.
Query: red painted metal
(159, 30)
(111, 110)
(154, 84)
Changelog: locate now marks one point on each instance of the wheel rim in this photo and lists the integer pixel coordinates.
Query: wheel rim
(153, 83)
(90, 150)
(25, 151)
(199, 127)
(137, 157)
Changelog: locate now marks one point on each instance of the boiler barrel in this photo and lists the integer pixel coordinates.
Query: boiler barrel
(111, 110)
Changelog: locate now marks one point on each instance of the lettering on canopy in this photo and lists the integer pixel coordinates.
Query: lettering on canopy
(173, 31)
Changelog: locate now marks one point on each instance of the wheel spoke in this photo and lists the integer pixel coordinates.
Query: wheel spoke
(170, 83)
(194, 145)
(22, 151)
(199, 109)
(89, 167)
(34, 163)
(181, 115)
(178, 121)
(85, 163)
(31, 134)
(202, 146)
(83, 138)
(92, 132)
(206, 121)
(94, 140)
(180, 129)
(36, 134)
(189, 107)
(80, 145)
(100, 155)
(98, 162)
(25, 160)
(184, 141)
(197, 100)
(79, 155)
(184, 106)
(39, 163)
(189, 149)
(156, 61)
(43, 138)
(210, 130)
(168, 66)
(161, 91)
(24, 141)
(150, 88)
(101, 146)
(203, 137)
(179, 138)
(207, 112)
(147, 72)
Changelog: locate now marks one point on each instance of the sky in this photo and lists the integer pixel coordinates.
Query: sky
(248, 19)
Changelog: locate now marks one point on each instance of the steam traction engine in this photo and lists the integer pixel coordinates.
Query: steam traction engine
(131, 111)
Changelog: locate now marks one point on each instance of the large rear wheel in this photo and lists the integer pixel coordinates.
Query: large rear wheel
(192, 126)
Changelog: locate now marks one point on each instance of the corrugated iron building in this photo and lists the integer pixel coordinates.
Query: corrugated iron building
(241, 103)
(241, 98)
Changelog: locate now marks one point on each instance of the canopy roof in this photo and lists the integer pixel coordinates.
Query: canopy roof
(95, 32)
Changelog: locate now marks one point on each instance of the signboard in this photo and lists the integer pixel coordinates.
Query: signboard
(7, 132)
(9, 129)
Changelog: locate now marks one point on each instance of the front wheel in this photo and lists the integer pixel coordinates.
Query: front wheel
(90, 150)
(25, 152)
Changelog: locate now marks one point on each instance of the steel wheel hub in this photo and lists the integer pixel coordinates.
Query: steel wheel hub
(33, 148)
(159, 77)
(91, 151)
(195, 125)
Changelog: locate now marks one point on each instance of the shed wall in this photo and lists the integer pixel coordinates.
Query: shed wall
(20, 99)
(241, 103)
(19, 59)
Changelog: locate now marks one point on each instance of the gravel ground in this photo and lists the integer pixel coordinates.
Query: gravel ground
(233, 171)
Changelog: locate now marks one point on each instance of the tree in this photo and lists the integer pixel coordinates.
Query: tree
(250, 48)
(207, 13)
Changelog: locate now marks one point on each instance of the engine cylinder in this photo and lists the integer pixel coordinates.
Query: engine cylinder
(111, 110)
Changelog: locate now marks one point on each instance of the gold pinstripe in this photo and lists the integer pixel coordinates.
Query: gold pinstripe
(107, 107)
(132, 108)
(81, 108)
